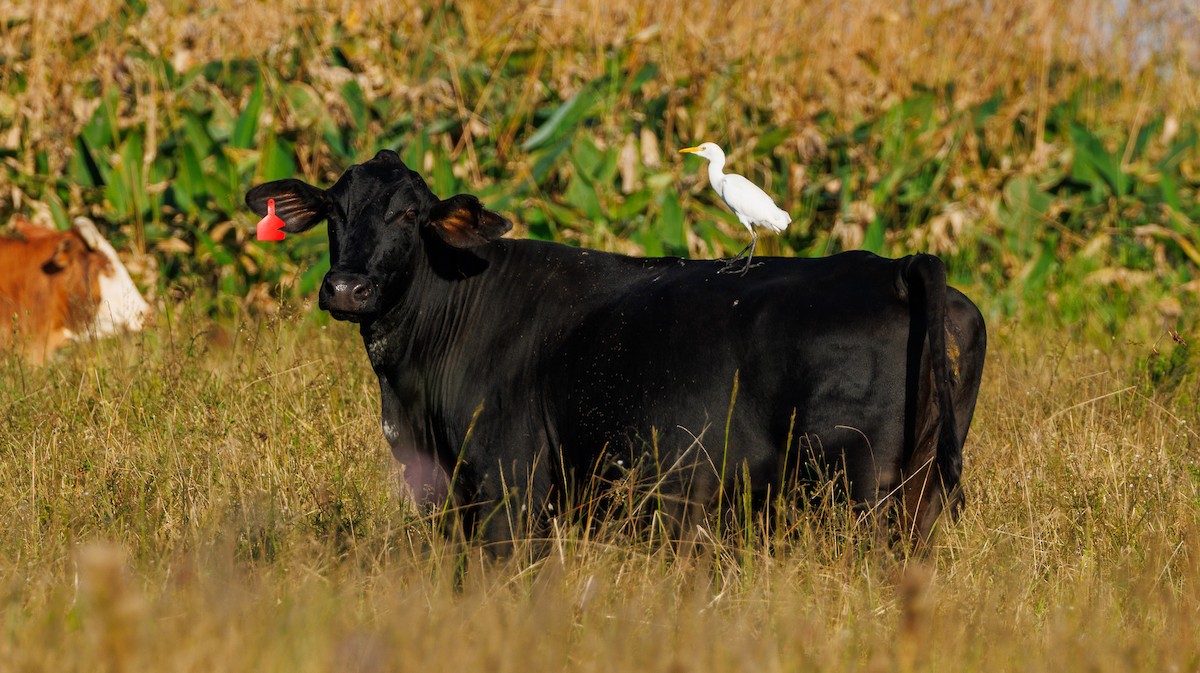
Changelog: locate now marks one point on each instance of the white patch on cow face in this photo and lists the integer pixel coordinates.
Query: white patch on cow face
(390, 431)
(377, 350)
(121, 306)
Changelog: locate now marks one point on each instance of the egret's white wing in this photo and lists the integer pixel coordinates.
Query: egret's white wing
(752, 204)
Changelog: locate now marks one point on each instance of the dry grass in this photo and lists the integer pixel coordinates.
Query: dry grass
(222, 499)
(210, 497)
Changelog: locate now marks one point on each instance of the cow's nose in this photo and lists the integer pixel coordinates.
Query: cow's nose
(348, 295)
(361, 291)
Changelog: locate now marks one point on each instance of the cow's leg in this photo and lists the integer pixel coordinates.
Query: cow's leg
(966, 346)
(716, 483)
(924, 496)
(859, 463)
(671, 490)
(875, 504)
(684, 499)
(923, 502)
(513, 506)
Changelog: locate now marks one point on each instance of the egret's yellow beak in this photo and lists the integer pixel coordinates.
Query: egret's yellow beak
(689, 150)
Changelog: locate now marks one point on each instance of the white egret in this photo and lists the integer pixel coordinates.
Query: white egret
(751, 205)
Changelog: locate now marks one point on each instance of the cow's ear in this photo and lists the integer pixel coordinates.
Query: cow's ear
(463, 222)
(62, 256)
(89, 233)
(300, 205)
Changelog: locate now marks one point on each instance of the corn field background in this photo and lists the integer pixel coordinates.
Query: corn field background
(215, 494)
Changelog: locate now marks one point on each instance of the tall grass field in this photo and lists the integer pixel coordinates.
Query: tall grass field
(215, 494)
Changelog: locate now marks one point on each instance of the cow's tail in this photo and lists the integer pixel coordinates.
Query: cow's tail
(927, 275)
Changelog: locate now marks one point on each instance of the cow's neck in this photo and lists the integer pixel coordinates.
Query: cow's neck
(423, 353)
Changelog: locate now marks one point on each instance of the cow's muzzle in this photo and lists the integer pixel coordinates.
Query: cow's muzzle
(349, 296)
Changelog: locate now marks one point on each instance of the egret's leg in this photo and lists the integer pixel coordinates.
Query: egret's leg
(741, 253)
(749, 249)
(749, 257)
(732, 261)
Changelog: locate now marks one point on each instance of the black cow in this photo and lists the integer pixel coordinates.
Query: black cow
(523, 368)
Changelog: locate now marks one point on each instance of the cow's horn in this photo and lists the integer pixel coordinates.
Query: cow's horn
(87, 229)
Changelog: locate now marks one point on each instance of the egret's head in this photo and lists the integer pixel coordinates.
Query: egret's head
(709, 151)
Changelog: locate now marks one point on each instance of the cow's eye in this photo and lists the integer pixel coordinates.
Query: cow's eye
(410, 214)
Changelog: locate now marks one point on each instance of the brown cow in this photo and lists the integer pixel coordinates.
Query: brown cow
(57, 287)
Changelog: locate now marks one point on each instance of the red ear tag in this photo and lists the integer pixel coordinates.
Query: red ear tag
(270, 226)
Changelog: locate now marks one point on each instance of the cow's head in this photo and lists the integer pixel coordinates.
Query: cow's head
(67, 278)
(74, 287)
(84, 268)
(379, 213)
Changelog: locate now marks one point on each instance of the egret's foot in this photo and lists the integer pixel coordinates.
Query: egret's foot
(732, 266)
(746, 254)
